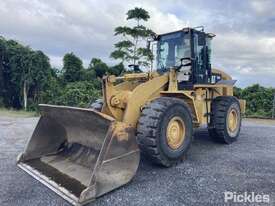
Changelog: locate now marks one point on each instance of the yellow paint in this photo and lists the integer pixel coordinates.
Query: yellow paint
(124, 97)
(232, 120)
(142, 94)
(175, 133)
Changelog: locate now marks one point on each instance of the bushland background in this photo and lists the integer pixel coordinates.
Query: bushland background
(28, 79)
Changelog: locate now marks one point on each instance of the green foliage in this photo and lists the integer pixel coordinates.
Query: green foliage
(89, 75)
(19, 66)
(237, 92)
(22, 69)
(2, 79)
(53, 91)
(117, 70)
(259, 100)
(1, 101)
(124, 44)
(138, 14)
(100, 70)
(98, 67)
(94, 62)
(131, 48)
(147, 56)
(72, 68)
(78, 94)
(76, 86)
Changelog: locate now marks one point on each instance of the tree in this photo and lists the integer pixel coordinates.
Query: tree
(31, 71)
(27, 79)
(2, 79)
(40, 75)
(24, 74)
(117, 69)
(99, 67)
(131, 48)
(258, 100)
(237, 92)
(78, 94)
(53, 91)
(72, 68)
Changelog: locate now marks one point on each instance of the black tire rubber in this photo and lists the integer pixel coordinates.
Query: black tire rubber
(97, 105)
(220, 108)
(151, 130)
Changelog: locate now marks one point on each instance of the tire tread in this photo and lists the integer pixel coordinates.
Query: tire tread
(147, 129)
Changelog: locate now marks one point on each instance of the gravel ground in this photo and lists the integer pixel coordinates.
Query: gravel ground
(209, 170)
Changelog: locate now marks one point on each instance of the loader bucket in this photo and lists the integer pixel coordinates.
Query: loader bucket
(79, 153)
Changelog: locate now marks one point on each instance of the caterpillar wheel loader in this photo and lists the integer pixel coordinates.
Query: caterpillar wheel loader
(82, 154)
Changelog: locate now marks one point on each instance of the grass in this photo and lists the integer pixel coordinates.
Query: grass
(16, 113)
(261, 121)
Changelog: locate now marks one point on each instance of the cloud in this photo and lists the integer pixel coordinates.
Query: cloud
(244, 46)
(262, 7)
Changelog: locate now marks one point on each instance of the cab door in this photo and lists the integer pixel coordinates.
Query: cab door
(201, 63)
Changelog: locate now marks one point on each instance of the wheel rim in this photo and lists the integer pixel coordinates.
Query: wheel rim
(175, 133)
(232, 121)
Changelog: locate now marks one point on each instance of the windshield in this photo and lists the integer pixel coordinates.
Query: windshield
(171, 48)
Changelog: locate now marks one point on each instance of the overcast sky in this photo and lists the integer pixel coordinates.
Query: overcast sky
(244, 46)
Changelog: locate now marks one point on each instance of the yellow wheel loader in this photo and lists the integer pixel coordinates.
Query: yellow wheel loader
(82, 154)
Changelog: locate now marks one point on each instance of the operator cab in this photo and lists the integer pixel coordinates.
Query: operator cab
(189, 51)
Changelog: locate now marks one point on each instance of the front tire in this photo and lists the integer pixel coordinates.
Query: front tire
(165, 130)
(225, 122)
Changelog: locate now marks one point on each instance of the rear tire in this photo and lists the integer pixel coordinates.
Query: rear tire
(165, 130)
(97, 105)
(225, 122)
